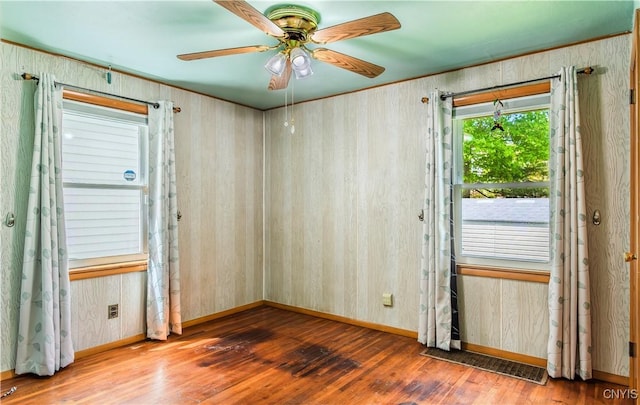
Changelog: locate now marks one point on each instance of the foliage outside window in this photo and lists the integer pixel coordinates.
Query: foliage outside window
(519, 154)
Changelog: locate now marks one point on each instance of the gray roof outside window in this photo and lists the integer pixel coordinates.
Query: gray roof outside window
(518, 210)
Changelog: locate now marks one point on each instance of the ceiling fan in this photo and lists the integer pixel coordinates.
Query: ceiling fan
(294, 27)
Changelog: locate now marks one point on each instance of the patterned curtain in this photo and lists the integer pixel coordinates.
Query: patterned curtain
(438, 317)
(163, 274)
(569, 347)
(44, 330)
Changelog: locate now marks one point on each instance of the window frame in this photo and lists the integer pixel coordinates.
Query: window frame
(101, 107)
(514, 100)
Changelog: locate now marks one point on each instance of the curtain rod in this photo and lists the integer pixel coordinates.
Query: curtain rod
(587, 71)
(29, 76)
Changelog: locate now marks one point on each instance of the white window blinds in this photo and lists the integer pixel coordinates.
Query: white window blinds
(104, 174)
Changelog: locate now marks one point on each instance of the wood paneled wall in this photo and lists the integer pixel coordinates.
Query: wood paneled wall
(343, 193)
(219, 161)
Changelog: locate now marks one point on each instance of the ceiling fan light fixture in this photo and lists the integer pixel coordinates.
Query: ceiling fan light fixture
(299, 58)
(300, 63)
(276, 64)
(302, 73)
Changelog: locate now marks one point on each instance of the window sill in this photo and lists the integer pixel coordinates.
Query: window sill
(82, 273)
(503, 273)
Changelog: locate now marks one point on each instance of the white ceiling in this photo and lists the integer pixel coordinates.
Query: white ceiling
(144, 37)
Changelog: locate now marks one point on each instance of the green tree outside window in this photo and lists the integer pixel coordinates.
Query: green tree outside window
(519, 154)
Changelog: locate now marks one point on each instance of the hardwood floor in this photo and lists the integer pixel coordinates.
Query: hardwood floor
(272, 356)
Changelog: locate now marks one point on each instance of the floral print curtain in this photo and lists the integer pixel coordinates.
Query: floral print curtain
(163, 273)
(438, 317)
(44, 327)
(569, 346)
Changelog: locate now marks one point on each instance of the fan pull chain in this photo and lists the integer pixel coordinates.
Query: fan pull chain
(286, 119)
(293, 127)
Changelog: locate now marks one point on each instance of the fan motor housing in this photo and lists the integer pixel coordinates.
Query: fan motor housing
(297, 21)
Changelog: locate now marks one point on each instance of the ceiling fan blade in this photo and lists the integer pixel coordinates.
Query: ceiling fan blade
(347, 62)
(364, 26)
(282, 81)
(223, 52)
(245, 11)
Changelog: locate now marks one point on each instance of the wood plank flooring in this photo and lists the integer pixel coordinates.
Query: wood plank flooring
(272, 356)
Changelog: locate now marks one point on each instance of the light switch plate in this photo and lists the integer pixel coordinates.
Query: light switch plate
(387, 299)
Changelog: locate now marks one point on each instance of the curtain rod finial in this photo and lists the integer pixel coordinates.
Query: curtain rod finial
(27, 76)
(425, 100)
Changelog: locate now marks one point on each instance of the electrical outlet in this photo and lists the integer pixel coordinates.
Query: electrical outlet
(112, 311)
(387, 299)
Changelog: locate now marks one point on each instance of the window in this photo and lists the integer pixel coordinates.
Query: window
(104, 158)
(501, 183)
